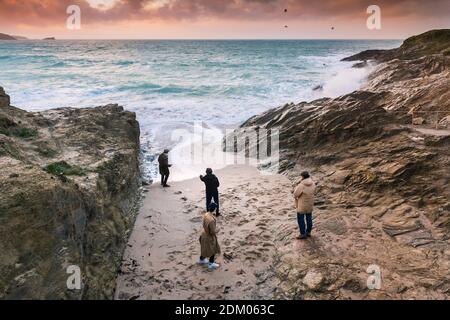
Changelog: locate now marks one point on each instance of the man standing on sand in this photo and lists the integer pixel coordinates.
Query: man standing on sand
(164, 166)
(212, 184)
(208, 240)
(304, 202)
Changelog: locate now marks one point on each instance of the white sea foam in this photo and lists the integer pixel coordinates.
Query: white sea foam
(197, 150)
(345, 81)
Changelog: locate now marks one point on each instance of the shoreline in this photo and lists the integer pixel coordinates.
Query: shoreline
(331, 87)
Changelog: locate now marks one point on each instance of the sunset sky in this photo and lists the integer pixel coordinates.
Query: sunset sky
(222, 19)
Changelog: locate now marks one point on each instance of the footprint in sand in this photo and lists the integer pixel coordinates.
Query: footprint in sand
(251, 238)
(268, 244)
(242, 222)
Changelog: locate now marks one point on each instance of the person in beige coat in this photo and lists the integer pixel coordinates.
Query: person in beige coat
(304, 203)
(208, 240)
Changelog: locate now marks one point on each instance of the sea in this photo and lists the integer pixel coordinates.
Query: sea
(174, 86)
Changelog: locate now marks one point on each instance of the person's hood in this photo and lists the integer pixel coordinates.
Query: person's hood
(308, 182)
(210, 214)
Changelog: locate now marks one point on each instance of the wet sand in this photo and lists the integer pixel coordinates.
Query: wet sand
(161, 259)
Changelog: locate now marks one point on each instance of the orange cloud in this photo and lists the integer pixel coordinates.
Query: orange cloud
(51, 11)
(48, 13)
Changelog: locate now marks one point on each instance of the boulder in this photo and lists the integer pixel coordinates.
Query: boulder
(418, 121)
(313, 280)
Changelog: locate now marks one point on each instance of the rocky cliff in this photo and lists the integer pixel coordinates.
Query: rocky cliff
(415, 77)
(380, 156)
(68, 186)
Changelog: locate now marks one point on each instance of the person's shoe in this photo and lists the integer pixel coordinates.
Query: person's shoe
(203, 262)
(217, 214)
(302, 237)
(166, 186)
(308, 235)
(213, 266)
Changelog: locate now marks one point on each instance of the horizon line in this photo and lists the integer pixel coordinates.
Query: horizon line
(207, 39)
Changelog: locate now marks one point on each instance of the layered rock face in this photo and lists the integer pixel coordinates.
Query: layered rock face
(416, 78)
(383, 183)
(68, 189)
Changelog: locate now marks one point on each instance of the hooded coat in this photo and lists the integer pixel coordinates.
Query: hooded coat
(304, 196)
(208, 240)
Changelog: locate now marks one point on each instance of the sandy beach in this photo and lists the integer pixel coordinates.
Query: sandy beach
(261, 257)
(160, 261)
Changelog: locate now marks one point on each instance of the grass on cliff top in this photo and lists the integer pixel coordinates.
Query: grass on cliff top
(9, 128)
(63, 168)
(431, 42)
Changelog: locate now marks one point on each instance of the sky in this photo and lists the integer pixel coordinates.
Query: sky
(222, 19)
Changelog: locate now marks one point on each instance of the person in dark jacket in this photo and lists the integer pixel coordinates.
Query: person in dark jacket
(212, 184)
(164, 166)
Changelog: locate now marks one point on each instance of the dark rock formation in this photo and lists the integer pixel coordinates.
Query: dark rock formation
(4, 99)
(68, 191)
(416, 88)
(416, 78)
(428, 43)
(383, 183)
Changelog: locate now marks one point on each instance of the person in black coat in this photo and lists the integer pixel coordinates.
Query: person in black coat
(212, 184)
(164, 166)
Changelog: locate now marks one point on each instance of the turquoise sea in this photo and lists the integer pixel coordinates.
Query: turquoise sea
(175, 83)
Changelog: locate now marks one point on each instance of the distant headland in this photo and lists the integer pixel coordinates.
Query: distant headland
(4, 36)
